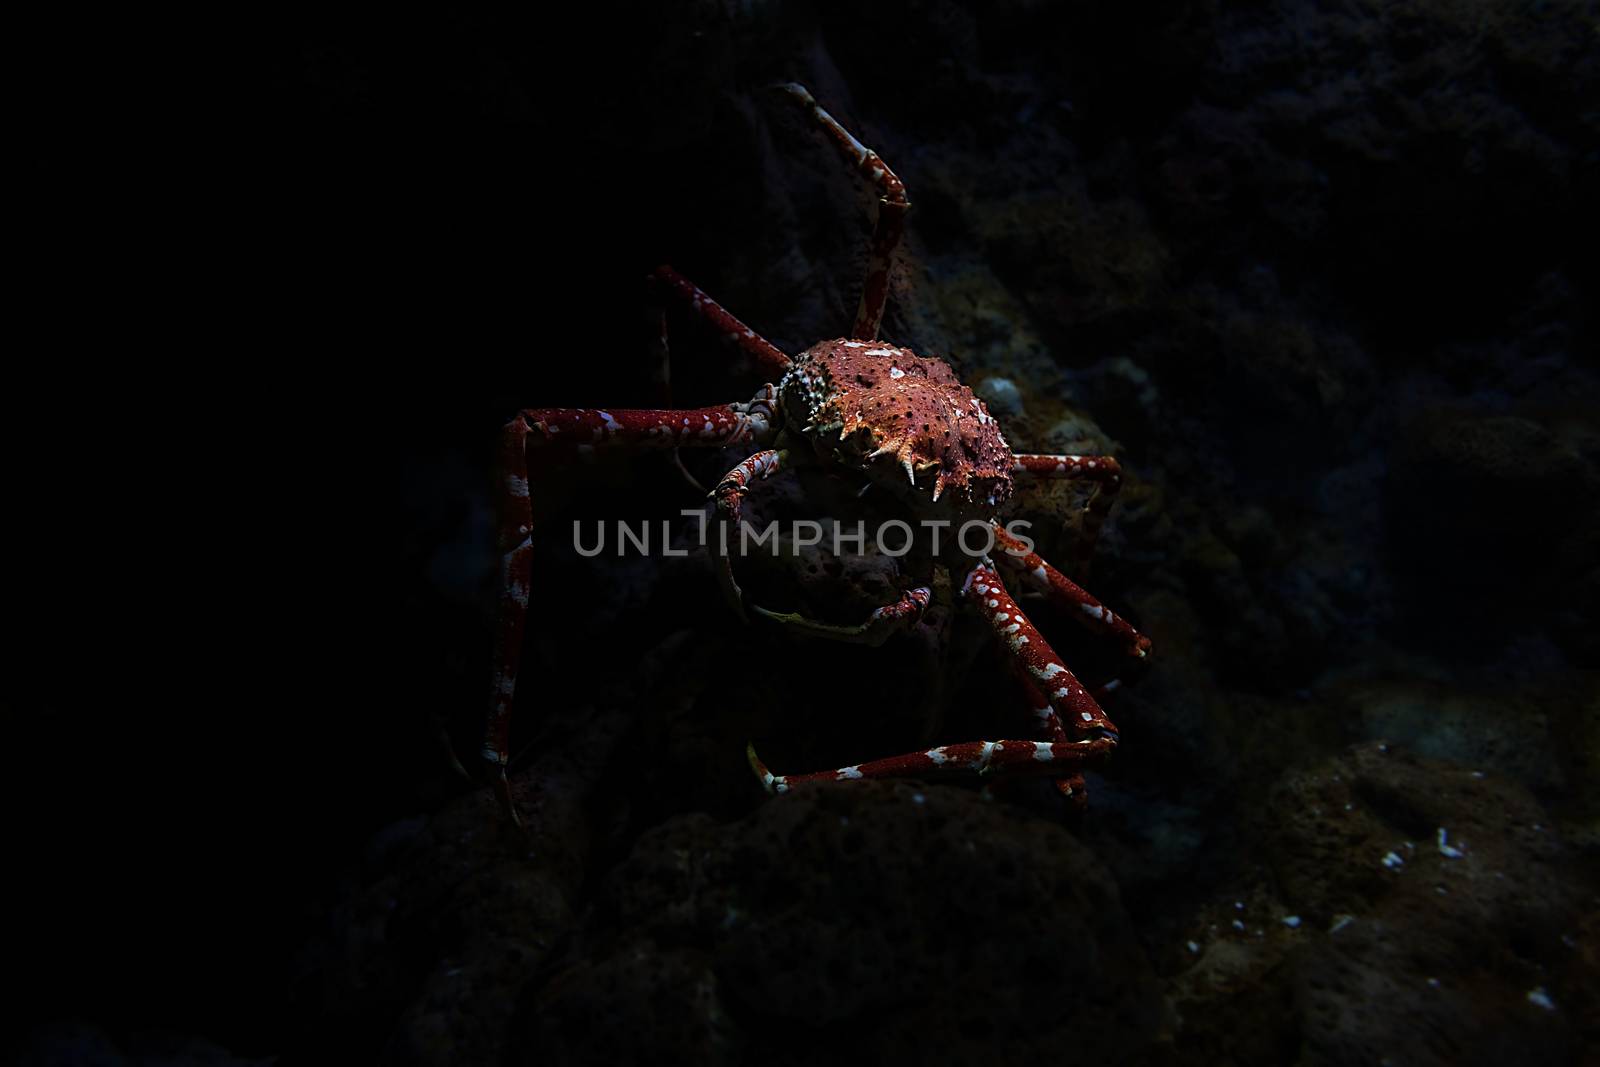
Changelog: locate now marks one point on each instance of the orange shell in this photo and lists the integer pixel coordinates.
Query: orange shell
(862, 402)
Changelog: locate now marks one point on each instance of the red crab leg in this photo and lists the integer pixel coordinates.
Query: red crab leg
(729, 495)
(892, 208)
(1103, 470)
(710, 427)
(1059, 588)
(1068, 698)
(663, 383)
(1008, 758)
(1049, 726)
(881, 624)
(768, 357)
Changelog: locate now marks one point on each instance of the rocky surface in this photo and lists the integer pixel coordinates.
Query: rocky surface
(903, 923)
(1401, 909)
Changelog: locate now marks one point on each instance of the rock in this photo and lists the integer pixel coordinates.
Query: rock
(1001, 394)
(446, 918)
(905, 922)
(1431, 900)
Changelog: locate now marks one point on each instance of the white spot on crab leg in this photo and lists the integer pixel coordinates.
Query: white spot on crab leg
(935, 756)
(1050, 670)
(854, 344)
(1000, 616)
(880, 352)
(1086, 716)
(848, 772)
(612, 425)
(517, 485)
(896, 373)
(993, 603)
(1039, 575)
(1042, 751)
(1094, 611)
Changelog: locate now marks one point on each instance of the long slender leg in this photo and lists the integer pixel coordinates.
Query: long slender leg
(1104, 471)
(514, 536)
(711, 427)
(729, 495)
(1015, 556)
(881, 623)
(1066, 698)
(708, 427)
(768, 356)
(891, 222)
(1049, 726)
(967, 759)
(661, 361)
(662, 372)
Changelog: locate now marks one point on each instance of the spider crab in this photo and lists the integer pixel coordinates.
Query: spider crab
(906, 424)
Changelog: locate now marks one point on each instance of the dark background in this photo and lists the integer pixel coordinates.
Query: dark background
(1321, 275)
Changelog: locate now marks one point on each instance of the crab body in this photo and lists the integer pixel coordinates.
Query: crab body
(905, 421)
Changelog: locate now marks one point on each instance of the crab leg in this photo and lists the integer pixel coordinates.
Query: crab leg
(1090, 468)
(710, 427)
(663, 385)
(514, 537)
(1065, 698)
(892, 208)
(1061, 589)
(1103, 470)
(1068, 698)
(1049, 726)
(964, 760)
(729, 495)
(881, 624)
(768, 357)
